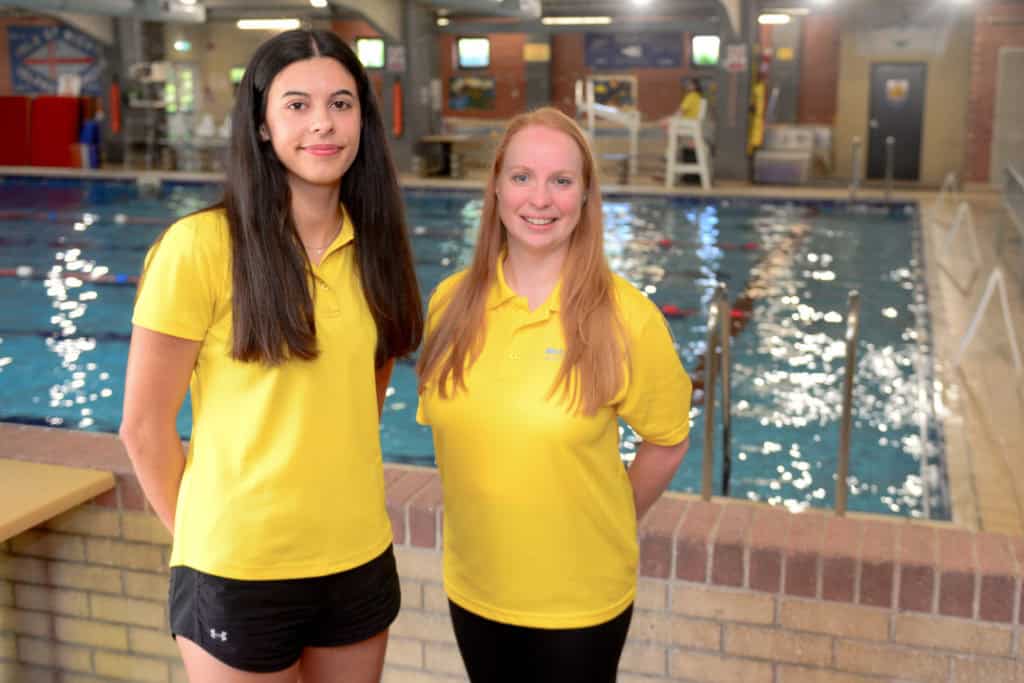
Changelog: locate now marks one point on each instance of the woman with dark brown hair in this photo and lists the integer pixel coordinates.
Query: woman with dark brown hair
(531, 357)
(283, 309)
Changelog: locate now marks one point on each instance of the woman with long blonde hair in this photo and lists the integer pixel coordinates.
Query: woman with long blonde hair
(532, 355)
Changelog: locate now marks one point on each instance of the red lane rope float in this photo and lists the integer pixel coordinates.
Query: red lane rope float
(666, 243)
(673, 311)
(28, 273)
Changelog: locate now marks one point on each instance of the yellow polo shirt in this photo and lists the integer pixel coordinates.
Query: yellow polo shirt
(689, 107)
(284, 477)
(539, 518)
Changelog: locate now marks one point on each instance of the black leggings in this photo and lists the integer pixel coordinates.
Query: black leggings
(501, 653)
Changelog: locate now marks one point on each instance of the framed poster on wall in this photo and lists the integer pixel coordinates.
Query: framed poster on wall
(633, 50)
(471, 93)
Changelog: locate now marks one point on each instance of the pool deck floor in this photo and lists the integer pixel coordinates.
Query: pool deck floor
(980, 403)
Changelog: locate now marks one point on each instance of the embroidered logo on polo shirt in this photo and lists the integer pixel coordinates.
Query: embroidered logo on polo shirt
(551, 353)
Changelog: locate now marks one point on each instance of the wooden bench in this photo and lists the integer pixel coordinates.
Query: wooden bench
(32, 493)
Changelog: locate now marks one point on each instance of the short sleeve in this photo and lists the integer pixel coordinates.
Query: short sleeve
(657, 399)
(175, 294)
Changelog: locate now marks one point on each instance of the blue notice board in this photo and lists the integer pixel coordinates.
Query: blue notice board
(633, 50)
(41, 54)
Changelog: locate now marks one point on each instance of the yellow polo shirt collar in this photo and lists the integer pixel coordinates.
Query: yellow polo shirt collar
(344, 236)
(501, 293)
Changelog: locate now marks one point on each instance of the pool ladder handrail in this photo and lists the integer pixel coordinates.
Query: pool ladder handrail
(843, 457)
(719, 320)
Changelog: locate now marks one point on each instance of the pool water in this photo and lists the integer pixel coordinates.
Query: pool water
(788, 267)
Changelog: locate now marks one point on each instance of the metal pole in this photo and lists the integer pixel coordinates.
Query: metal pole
(843, 467)
(725, 310)
(890, 163)
(709, 400)
(855, 171)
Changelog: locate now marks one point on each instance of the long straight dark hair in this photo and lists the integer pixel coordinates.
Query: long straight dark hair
(272, 306)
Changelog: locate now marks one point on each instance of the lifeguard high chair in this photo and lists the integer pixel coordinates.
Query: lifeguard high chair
(683, 133)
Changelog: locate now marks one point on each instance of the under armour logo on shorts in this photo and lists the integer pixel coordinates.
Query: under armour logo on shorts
(222, 636)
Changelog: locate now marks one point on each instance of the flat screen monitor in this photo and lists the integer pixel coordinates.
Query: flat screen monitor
(474, 53)
(371, 52)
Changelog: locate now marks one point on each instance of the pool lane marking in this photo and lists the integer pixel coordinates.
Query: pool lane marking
(763, 273)
(52, 216)
(57, 334)
(28, 273)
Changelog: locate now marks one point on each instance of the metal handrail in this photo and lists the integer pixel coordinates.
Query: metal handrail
(890, 165)
(724, 324)
(1013, 196)
(855, 170)
(843, 467)
(710, 358)
(718, 326)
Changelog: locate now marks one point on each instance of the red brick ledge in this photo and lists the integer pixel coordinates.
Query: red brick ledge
(893, 563)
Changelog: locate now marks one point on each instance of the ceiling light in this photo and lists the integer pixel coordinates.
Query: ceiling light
(641, 3)
(319, 4)
(187, 2)
(773, 19)
(268, 24)
(182, 45)
(569, 21)
(443, 21)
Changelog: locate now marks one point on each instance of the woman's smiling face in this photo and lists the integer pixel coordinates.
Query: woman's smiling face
(313, 120)
(540, 189)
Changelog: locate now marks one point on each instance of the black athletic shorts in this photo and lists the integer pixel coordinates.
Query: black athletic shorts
(494, 652)
(263, 626)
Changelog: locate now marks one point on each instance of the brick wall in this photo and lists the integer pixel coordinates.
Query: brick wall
(730, 591)
(819, 69)
(996, 25)
(660, 89)
(945, 121)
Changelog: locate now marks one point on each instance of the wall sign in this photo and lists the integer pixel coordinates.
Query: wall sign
(735, 58)
(633, 50)
(40, 55)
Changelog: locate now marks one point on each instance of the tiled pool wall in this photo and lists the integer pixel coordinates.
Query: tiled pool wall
(728, 590)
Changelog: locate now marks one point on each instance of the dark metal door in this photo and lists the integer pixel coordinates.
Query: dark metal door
(897, 110)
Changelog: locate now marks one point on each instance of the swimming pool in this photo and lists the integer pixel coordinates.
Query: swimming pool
(70, 250)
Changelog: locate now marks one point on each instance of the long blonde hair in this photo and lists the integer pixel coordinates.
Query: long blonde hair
(592, 369)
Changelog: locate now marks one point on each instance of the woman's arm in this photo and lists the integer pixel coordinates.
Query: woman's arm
(383, 376)
(159, 368)
(652, 470)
